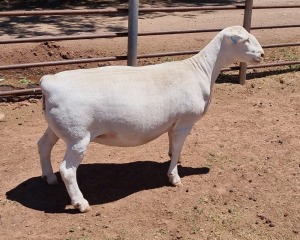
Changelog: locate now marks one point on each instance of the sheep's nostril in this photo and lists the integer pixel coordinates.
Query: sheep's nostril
(262, 55)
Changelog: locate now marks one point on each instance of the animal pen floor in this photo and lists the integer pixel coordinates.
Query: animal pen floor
(240, 164)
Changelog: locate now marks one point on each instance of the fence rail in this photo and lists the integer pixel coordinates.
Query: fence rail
(124, 57)
(125, 34)
(141, 10)
(133, 33)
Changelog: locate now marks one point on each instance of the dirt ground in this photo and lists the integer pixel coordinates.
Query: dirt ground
(240, 164)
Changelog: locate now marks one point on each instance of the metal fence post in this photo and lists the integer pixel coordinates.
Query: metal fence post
(133, 15)
(247, 26)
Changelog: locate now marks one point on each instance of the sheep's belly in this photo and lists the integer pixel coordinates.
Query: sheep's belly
(115, 139)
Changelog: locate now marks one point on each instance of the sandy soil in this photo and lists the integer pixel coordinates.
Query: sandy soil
(240, 164)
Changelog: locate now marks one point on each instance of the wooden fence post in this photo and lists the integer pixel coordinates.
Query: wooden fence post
(247, 26)
(133, 15)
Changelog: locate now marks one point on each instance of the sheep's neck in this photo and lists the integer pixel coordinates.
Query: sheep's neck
(210, 60)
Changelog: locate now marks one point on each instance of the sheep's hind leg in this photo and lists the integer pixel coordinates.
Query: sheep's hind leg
(170, 147)
(177, 139)
(45, 145)
(170, 144)
(68, 169)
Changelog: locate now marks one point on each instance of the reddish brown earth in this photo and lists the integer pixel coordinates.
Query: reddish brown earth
(240, 164)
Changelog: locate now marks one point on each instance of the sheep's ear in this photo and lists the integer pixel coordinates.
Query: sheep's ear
(236, 38)
(235, 35)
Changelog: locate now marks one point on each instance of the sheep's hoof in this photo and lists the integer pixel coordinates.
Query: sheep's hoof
(178, 184)
(51, 179)
(175, 180)
(87, 209)
(83, 207)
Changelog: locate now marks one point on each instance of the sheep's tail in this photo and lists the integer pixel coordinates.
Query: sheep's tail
(43, 85)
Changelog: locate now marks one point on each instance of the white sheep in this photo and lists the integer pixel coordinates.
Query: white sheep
(129, 106)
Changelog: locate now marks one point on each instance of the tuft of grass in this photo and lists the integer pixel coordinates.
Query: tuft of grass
(195, 229)
(162, 231)
(25, 80)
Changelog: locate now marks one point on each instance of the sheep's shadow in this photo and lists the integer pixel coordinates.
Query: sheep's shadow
(99, 183)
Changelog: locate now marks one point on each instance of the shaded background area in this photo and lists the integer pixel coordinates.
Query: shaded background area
(26, 26)
(60, 4)
(37, 26)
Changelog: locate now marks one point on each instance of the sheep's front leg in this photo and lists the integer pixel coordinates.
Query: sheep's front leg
(177, 139)
(45, 145)
(68, 169)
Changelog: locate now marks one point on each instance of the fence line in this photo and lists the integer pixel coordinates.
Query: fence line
(124, 57)
(135, 9)
(37, 91)
(125, 34)
(141, 10)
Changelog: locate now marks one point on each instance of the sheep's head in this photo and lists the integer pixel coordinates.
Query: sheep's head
(242, 46)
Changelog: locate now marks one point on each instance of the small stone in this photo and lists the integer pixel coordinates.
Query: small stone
(271, 225)
(98, 214)
(285, 214)
(268, 221)
(295, 231)
(2, 116)
(24, 104)
(252, 198)
(261, 217)
(66, 55)
(33, 100)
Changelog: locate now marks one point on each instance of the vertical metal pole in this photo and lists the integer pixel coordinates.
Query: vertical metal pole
(133, 15)
(247, 26)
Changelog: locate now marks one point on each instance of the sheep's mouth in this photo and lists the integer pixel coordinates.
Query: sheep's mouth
(257, 59)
